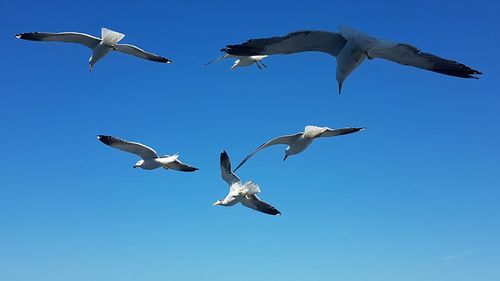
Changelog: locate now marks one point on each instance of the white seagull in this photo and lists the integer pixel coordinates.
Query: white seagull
(298, 142)
(241, 193)
(150, 159)
(100, 47)
(350, 47)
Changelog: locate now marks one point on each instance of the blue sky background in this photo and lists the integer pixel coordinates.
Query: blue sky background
(414, 197)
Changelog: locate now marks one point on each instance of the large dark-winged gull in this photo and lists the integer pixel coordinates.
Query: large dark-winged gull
(100, 46)
(150, 159)
(350, 47)
(298, 142)
(245, 194)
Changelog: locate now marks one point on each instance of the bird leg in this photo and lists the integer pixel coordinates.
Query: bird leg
(263, 64)
(257, 63)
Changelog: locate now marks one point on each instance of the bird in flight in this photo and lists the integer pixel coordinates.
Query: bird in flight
(246, 194)
(351, 47)
(298, 142)
(100, 46)
(150, 159)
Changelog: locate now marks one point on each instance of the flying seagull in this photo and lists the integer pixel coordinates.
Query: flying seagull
(100, 47)
(150, 159)
(241, 193)
(298, 142)
(350, 47)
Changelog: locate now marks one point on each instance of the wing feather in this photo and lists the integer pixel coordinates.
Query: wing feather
(279, 140)
(70, 37)
(338, 132)
(409, 55)
(225, 169)
(136, 148)
(253, 202)
(295, 42)
(138, 52)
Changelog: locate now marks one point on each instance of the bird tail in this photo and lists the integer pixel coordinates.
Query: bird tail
(250, 188)
(111, 37)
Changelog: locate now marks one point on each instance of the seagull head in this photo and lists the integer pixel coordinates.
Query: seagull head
(218, 202)
(138, 164)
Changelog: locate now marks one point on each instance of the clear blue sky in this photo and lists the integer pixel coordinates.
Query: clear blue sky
(395, 202)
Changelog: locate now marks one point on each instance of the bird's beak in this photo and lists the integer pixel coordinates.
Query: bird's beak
(216, 203)
(286, 156)
(135, 166)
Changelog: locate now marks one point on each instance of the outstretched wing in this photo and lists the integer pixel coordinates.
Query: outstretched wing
(253, 202)
(225, 169)
(136, 148)
(179, 166)
(408, 55)
(71, 37)
(279, 140)
(138, 52)
(338, 132)
(295, 42)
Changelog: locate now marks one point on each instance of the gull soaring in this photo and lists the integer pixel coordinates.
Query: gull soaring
(246, 194)
(150, 159)
(100, 47)
(351, 47)
(298, 142)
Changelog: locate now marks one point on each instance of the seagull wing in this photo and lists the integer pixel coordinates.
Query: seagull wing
(253, 202)
(295, 42)
(338, 132)
(279, 140)
(225, 169)
(71, 37)
(179, 166)
(409, 55)
(132, 147)
(138, 52)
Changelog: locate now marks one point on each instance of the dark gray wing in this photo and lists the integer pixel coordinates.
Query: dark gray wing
(253, 202)
(132, 147)
(138, 52)
(179, 166)
(70, 37)
(338, 132)
(279, 140)
(295, 42)
(408, 55)
(225, 169)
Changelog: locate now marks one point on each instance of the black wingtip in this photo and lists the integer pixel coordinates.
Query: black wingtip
(105, 139)
(28, 36)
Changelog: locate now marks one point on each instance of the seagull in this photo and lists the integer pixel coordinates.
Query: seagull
(245, 194)
(100, 47)
(150, 159)
(298, 142)
(242, 61)
(350, 47)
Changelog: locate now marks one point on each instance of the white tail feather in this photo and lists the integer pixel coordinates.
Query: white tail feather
(110, 37)
(250, 188)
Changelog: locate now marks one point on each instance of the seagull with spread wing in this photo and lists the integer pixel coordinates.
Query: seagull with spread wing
(100, 46)
(150, 159)
(350, 47)
(246, 194)
(298, 142)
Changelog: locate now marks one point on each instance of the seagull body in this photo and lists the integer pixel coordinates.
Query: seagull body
(350, 47)
(242, 61)
(150, 159)
(298, 142)
(246, 193)
(100, 46)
